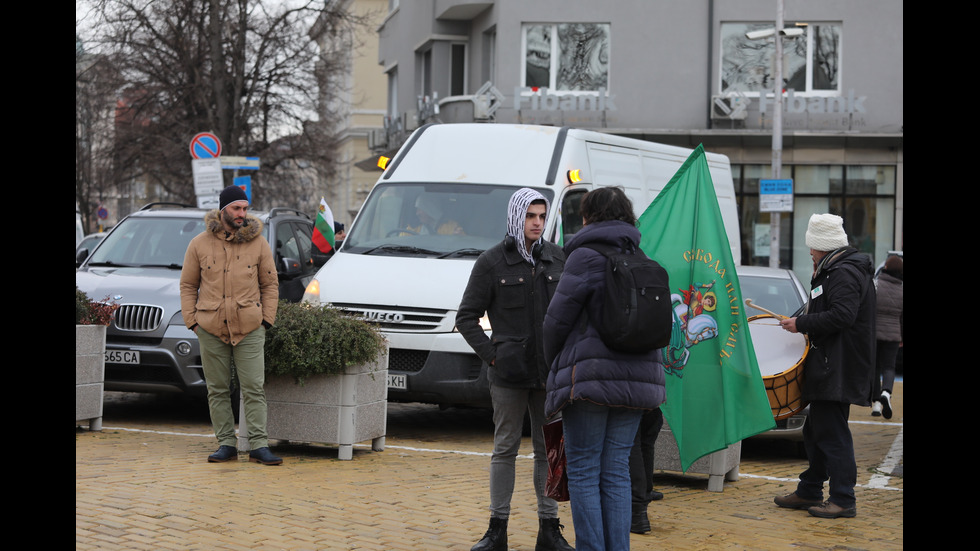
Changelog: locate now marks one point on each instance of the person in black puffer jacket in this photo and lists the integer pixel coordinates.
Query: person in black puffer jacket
(839, 319)
(600, 393)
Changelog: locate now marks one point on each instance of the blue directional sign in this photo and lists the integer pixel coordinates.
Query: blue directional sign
(205, 146)
(776, 195)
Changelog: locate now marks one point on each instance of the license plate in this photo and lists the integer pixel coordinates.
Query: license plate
(122, 357)
(397, 381)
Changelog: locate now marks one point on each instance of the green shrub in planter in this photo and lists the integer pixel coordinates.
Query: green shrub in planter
(308, 340)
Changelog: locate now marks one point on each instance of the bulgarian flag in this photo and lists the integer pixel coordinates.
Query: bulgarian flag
(715, 392)
(323, 228)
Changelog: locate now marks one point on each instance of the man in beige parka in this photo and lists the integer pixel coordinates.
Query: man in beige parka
(229, 293)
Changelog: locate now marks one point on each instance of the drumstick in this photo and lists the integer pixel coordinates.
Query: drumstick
(748, 302)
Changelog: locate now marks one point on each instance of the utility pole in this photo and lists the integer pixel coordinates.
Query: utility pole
(777, 135)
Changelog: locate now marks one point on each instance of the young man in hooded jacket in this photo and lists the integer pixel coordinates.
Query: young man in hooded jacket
(513, 282)
(839, 320)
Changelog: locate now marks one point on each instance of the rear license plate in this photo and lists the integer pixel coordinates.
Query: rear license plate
(397, 381)
(122, 357)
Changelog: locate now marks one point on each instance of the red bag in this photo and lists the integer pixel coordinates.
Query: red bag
(554, 440)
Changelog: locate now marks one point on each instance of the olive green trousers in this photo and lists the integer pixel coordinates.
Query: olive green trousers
(249, 361)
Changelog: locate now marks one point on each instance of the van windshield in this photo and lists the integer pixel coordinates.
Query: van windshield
(432, 219)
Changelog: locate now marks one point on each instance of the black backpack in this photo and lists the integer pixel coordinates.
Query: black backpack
(636, 310)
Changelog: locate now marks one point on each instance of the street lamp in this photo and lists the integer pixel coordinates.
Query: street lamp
(777, 119)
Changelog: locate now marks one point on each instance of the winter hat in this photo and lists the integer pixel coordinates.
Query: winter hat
(825, 232)
(231, 194)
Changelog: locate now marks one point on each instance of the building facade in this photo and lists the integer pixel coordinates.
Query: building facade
(355, 106)
(681, 73)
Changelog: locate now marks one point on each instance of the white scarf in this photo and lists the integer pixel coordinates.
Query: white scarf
(517, 214)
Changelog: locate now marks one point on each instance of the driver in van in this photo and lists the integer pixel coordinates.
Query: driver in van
(430, 219)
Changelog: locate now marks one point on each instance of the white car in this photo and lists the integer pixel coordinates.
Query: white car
(780, 292)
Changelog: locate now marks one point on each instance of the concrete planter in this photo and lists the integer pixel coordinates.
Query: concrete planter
(720, 466)
(89, 374)
(328, 409)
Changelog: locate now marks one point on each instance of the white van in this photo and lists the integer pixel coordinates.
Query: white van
(442, 201)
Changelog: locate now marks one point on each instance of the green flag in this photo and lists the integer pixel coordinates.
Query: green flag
(715, 393)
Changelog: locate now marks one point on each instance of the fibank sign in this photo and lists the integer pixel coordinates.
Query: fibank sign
(815, 105)
(542, 99)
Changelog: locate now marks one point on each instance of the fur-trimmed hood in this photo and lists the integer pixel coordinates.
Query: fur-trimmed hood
(249, 231)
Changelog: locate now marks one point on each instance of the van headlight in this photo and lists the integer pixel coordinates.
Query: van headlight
(312, 293)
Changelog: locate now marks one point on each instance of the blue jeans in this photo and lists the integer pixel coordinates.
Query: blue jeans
(598, 440)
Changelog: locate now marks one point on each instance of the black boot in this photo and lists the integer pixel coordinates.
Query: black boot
(640, 523)
(549, 536)
(496, 537)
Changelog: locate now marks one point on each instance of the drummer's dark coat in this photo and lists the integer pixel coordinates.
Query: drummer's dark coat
(840, 322)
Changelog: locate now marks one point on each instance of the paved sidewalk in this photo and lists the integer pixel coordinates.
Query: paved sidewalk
(143, 485)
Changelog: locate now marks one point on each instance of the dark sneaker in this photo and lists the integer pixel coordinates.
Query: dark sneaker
(832, 510)
(264, 456)
(224, 453)
(886, 404)
(793, 501)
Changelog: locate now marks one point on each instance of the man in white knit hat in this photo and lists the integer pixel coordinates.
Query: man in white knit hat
(839, 320)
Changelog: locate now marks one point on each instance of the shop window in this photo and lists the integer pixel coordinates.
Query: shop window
(566, 57)
(864, 195)
(811, 61)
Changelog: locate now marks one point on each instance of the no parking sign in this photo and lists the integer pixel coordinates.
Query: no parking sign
(205, 145)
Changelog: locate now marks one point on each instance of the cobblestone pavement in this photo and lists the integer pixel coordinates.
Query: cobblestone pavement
(143, 483)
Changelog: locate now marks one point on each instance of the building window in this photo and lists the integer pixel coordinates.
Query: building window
(811, 62)
(393, 92)
(864, 195)
(425, 73)
(489, 69)
(457, 69)
(566, 57)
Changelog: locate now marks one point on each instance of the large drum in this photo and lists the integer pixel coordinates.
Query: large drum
(781, 357)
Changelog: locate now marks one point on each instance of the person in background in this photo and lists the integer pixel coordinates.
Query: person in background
(890, 329)
(512, 283)
(600, 393)
(229, 295)
(839, 319)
